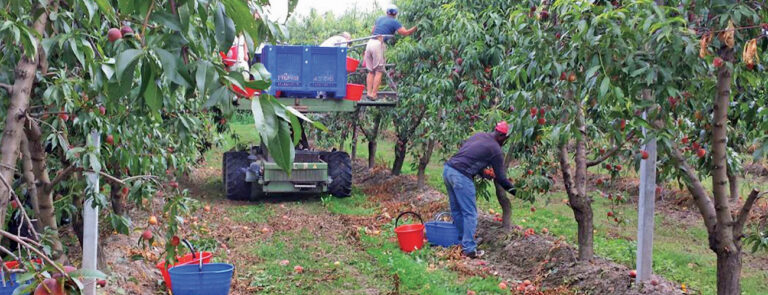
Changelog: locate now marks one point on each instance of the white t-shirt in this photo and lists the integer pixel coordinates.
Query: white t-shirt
(331, 42)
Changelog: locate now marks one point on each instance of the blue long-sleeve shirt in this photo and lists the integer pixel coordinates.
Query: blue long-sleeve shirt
(480, 151)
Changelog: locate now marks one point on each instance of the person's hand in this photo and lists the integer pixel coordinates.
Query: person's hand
(488, 173)
(512, 190)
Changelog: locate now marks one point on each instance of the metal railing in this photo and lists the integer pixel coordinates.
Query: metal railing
(350, 42)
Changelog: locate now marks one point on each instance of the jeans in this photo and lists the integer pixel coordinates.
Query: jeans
(461, 193)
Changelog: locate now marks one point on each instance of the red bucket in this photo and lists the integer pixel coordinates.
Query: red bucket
(186, 259)
(354, 92)
(352, 64)
(410, 236)
(247, 93)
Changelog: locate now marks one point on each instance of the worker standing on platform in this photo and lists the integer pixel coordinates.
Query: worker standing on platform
(374, 51)
(340, 40)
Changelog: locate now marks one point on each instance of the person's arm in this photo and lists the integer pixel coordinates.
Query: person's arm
(501, 174)
(373, 29)
(404, 32)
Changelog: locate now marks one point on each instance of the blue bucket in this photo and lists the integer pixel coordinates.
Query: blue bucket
(213, 279)
(9, 286)
(442, 233)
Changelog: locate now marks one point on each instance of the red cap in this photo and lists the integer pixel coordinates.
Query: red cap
(502, 127)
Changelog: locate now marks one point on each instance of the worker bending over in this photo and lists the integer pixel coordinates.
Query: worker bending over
(478, 152)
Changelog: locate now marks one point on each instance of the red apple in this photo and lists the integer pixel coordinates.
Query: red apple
(530, 172)
(622, 124)
(298, 269)
(608, 166)
(110, 140)
(632, 273)
(533, 209)
(459, 61)
(126, 31)
(147, 235)
(534, 111)
(102, 110)
(718, 62)
(618, 167)
(684, 140)
(644, 155)
(542, 121)
(101, 283)
(701, 153)
(563, 76)
(49, 286)
(503, 285)
(610, 214)
(175, 241)
(114, 34)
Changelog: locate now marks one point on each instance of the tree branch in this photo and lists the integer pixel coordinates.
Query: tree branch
(744, 213)
(146, 19)
(613, 151)
(64, 174)
(8, 88)
(39, 253)
(706, 207)
(565, 168)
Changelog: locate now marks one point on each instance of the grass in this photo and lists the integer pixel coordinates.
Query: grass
(680, 251)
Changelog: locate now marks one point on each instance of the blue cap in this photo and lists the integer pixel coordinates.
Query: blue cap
(391, 9)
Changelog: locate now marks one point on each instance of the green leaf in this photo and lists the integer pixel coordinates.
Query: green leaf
(167, 59)
(126, 59)
(26, 276)
(264, 118)
(298, 114)
(281, 148)
(91, 7)
(218, 96)
(296, 126)
(125, 6)
(200, 76)
(93, 159)
(167, 20)
(88, 273)
(107, 9)
(604, 86)
(225, 29)
(241, 16)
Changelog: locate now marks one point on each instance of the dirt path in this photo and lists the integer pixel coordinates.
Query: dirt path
(324, 246)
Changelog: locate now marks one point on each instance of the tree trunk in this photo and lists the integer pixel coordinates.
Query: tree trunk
(733, 182)
(24, 77)
(726, 244)
(29, 179)
(354, 141)
(46, 214)
(118, 201)
(506, 207)
(423, 162)
(400, 152)
(501, 195)
(576, 188)
(729, 273)
(372, 138)
(582, 205)
(372, 153)
(343, 139)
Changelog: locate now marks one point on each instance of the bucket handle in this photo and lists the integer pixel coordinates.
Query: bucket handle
(408, 212)
(190, 247)
(438, 215)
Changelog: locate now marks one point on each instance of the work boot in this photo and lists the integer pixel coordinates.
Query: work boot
(475, 254)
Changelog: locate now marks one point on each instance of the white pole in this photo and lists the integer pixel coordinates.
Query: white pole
(91, 226)
(645, 212)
